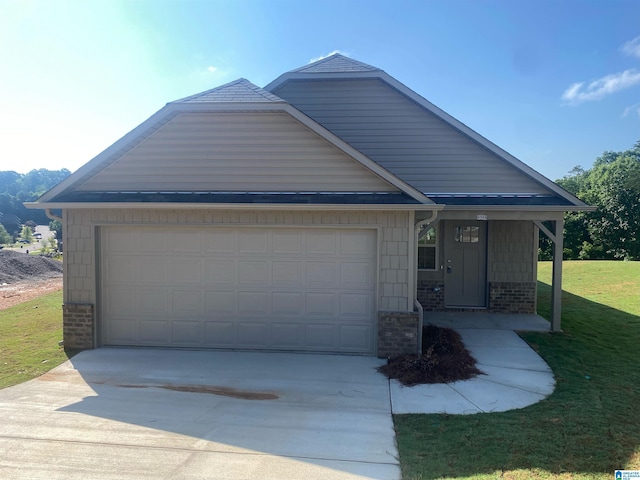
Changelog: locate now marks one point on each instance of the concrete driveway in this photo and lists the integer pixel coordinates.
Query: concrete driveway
(168, 414)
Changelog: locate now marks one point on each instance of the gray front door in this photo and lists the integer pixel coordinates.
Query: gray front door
(465, 245)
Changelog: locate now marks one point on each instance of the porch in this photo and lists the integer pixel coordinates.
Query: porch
(486, 320)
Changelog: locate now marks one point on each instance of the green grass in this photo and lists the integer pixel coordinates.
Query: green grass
(587, 428)
(29, 336)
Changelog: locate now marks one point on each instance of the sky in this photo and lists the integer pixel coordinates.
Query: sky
(554, 82)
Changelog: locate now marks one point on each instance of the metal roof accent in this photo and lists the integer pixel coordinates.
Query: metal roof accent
(313, 198)
(491, 199)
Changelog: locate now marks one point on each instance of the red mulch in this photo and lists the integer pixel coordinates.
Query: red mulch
(444, 359)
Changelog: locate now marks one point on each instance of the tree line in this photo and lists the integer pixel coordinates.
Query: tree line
(16, 188)
(612, 231)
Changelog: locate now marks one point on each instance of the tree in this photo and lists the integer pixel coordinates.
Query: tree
(27, 234)
(4, 235)
(613, 230)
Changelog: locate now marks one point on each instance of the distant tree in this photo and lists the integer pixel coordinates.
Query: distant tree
(32, 225)
(4, 235)
(56, 226)
(27, 234)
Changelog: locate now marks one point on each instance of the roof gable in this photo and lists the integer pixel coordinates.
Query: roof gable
(236, 137)
(364, 119)
(336, 63)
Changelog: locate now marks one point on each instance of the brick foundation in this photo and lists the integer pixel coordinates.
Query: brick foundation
(431, 295)
(397, 333)
(78, 324)
(512, 297)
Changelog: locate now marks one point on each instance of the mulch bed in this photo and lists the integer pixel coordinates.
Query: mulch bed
(444, 359)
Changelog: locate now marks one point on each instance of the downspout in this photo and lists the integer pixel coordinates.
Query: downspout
(51, 215)
(417, 227)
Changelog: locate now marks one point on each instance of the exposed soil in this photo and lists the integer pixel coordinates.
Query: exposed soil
(444, 359)
(24, 277)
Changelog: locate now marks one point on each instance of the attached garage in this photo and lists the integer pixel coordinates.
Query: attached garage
(263, 288)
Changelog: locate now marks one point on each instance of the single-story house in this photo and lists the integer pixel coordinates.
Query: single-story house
(322, 213)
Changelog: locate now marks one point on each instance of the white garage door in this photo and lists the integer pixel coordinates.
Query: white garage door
(247, 288)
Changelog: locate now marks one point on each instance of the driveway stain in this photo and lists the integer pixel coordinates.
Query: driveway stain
(211, 390)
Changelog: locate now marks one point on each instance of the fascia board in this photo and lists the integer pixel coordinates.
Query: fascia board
(228, 206)
(521, 208)
(357, 155)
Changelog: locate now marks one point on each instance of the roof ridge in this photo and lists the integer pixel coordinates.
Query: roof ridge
(239, 90)
(337, 63)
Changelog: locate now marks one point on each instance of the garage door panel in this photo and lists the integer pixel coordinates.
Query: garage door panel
(219, 241)
(153, 269)
(253, 241)
(285, 288)
(221, 302)
(286, 335)
(319, 242)
(287, 242)
(153, 301)
(154, 332)
(286, 272)
(253, 303)
(220, 334)
(187, 270)
(254, 334)
(185, 332)
(322, 304)
(357, 243)
(186, 302)
(287, 303)
(186, 241)
(221, 271)
(119, 301)
(321, 274)
(321, 336)
(354, 337)
(253, 271)
(155, 241)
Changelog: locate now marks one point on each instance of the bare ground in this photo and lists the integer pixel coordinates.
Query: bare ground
(25, 277)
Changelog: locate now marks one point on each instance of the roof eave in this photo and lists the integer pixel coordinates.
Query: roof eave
(227, 206)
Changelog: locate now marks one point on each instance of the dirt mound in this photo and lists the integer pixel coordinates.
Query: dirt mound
(444, 359)
(17, 266)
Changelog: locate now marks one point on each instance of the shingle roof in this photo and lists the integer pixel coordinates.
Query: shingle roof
(241, 90)
(336, 63)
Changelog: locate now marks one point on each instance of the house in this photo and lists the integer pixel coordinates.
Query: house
(321, 213)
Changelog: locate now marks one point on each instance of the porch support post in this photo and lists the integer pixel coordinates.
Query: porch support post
(556, 282)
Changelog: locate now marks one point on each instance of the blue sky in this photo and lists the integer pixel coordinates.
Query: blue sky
(555, 83)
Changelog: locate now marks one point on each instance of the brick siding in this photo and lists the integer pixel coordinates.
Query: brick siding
(512, 297)
(78, 323)
(397, 333)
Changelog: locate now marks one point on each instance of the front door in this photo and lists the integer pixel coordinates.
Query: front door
(465, 249)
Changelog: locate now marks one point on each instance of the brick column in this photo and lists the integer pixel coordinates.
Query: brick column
(397, 333)
(78, 326)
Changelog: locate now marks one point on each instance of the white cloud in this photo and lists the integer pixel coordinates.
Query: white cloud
(600, 88)
(211, 69)
(632, 109)
(632, 47)
(328, 55)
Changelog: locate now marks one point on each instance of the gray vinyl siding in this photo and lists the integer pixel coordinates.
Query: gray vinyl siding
(404, 138)
(512, 251)
(240, 152)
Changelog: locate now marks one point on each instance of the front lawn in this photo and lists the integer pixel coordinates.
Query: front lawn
(589, 427)
(29, 336)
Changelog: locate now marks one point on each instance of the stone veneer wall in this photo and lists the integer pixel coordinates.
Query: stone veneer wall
(512, 297)
(397, 333)
(78, 326)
